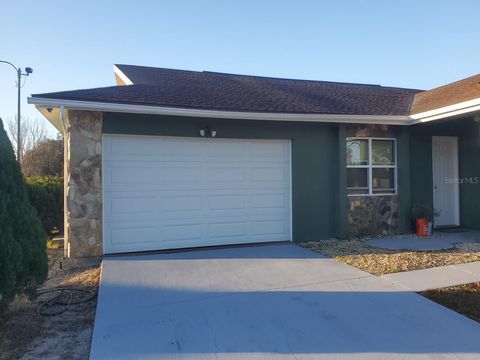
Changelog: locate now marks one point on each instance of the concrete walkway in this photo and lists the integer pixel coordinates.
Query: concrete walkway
(267, 302)
(434, 278)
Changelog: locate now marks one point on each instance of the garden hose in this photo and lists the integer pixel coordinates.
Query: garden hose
(63, 298)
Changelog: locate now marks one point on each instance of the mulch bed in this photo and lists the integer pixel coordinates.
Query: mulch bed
(464, 299)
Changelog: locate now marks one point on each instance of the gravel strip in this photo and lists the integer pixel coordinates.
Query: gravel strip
(376, 261)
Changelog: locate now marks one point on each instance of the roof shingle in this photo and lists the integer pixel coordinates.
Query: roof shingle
(229, 92)
(453, 93)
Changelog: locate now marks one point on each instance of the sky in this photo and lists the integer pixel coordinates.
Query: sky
(73, 44)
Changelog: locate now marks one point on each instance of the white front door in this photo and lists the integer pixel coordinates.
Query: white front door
(445, 180)
(172, 192)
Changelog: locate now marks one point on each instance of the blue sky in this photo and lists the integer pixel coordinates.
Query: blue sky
(73, 44)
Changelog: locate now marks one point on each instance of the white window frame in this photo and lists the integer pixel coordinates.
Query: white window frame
(370, 166)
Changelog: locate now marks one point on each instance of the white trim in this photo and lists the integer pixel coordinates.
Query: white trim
(66, 240)
(447, 111)
(122, 75)
(370, 166)
(454, 110)
(369, 169)
(371, 195)
(102, 191)
(160, 110)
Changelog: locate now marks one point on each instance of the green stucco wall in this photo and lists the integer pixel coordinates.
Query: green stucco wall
(469, 164)
(318, 212)
(319, 201)
(403, 178)
(421, 177)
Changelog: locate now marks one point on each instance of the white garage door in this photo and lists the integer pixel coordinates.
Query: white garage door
(172, 192)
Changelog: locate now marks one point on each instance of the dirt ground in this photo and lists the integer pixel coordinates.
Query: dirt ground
(359, 254)
(464, 299)
(24, 334)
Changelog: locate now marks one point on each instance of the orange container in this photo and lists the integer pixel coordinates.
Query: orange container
(422, 227)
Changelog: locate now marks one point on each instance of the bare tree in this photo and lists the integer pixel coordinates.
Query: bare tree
(45, 159)
(32, 132)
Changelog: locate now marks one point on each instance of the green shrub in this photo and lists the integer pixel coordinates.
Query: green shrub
(23, 258)
(46, 196)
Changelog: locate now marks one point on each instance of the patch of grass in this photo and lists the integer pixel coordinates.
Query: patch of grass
(376, 261)
(54, 244)
(88, 278)
(464, 299)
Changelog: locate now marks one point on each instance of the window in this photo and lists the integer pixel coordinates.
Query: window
(371, 166)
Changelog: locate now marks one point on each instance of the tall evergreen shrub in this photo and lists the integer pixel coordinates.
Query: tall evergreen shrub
(46, 196)
(23, 256)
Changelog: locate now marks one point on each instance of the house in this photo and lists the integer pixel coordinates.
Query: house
(172, 159)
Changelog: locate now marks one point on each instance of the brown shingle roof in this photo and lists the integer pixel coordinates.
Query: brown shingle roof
(453, 93)
(218, 91)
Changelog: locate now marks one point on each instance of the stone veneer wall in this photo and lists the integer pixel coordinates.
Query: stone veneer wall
(83, 183)
(372, 215)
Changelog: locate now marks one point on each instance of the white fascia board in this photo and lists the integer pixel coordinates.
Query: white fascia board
(159, 110)
(462, 108)
(122, 76)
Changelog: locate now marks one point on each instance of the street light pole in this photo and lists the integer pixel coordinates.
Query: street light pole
(18, 70)
(19, 139)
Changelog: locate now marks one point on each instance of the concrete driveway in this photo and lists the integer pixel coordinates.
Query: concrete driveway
(266, 302)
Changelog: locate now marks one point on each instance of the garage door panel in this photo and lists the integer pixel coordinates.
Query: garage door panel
(162, 192)
(191, 231)
(181, 203)
(184, 173)
(198, 232)
(155, 183)
(176, 149)
(141, 234)
(139, 148)
(269, 227)
(228, 229)
(237, 150)
(272, 174)
(226, 173)
(123, 174)
(269, 200)
(226, 201)
(132, 205)
(265, 150)
(151, 207)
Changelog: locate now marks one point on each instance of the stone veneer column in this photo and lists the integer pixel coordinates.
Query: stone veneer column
(83, 183)
(373, 215)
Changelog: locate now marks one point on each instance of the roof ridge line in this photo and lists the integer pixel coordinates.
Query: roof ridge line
(271, 77)
(452, 83)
